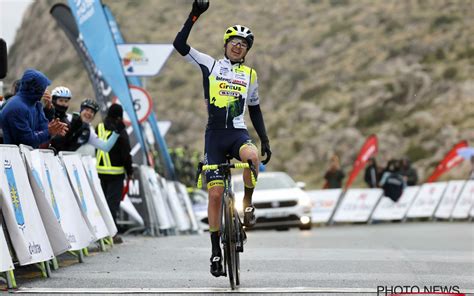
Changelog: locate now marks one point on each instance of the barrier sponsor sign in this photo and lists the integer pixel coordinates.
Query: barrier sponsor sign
(177, 208)
(357, 205)
(84, 195)
(183, 192)
(74, 225)
(427, 200)
(323, 204)
(94, 181)
(464, 202)
(388, 210)
(45, 199)
(136, 193)
(23, 220)
(166, 195)
(5, 258)
(154, 191)
(449, 199)
(127, 206)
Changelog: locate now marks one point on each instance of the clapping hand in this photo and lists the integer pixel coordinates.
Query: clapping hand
(56, 127)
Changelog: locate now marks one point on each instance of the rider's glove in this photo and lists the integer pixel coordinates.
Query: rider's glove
(199, 7)
(266, 150)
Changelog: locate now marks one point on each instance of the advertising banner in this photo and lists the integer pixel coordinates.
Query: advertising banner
(45, 200)
(143, 59)
(94, 181)
(183, 193)
(427, 200)
(154, 191)
(5, 258)
(177, 209)
(357, 205)
(22, 217)
(98, 40)
(368, 150)
(323, 204)
(84, 194)
(74, 225)
(449, 199)
(136, 194)
(450, 160)
(388, 210)
(465, 201)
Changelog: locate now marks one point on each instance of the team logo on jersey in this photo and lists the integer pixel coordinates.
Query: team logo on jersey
(223, 71)
(228, 93)
(20, 219)
(224, 85)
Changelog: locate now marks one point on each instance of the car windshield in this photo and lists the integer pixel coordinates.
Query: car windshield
(266, 181)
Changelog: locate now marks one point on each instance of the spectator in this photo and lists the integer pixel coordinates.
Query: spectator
(372, 173)
(113, 165)
(334, 175)
(408, 172)
(392, 181)
(23, 119)
(81, 132)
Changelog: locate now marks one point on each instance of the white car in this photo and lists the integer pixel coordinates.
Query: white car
(279, 201)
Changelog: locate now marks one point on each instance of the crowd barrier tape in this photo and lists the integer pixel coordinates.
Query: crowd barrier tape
(6, 262)
(323, 204)
(45, 200)
(183, 192)
(73, 223)
(83, 192)
(357, 205)
(177, 209)
(154, 191)
(465, 202)
(449, 199)
(127, 206)
(23, 220)
(388, 210)
(94, 181)
(427, 200)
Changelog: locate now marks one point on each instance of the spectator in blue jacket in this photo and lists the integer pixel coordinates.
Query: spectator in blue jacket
(23, 119)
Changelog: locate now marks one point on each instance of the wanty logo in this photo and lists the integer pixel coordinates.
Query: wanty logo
(20, 219)
(134, 57)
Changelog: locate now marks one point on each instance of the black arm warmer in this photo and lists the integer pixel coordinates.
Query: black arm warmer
(257, 120)
(180, 41)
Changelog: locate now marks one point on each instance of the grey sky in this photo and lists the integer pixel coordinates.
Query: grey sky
(11, 15)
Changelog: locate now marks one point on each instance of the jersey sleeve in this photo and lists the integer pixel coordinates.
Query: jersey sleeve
(253, 99)
(200, 59)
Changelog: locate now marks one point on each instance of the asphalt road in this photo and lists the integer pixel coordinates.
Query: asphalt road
(336, 260)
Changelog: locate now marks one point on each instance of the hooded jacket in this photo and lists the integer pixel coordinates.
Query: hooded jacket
(23, 119)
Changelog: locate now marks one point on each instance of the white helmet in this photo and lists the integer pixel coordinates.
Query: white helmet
(61, 92)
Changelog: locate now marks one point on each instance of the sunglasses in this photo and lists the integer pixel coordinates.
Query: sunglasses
(237, 41)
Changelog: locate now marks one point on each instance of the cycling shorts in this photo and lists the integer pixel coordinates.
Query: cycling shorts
(218, 144)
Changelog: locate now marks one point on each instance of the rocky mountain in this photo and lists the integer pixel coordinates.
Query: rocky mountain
(331, 72)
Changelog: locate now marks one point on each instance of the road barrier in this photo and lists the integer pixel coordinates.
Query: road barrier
(427, 200)
(55, 203)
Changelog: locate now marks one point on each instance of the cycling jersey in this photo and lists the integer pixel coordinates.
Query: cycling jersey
(228, 88)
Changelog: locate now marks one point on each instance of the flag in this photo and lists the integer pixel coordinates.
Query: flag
(450, 160)
(369, 149)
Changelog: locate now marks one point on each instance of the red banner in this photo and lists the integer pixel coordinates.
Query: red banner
(451, 160)
(369, 149)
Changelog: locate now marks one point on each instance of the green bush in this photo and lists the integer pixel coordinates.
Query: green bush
(415, 153)
(450, 73)
(443, 20)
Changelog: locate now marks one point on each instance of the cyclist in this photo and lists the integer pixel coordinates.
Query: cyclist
(229, 87)
(81, 132)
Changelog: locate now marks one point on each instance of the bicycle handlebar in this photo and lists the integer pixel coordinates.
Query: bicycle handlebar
(226, 166)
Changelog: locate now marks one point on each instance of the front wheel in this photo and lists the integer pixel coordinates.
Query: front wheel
(229, 248)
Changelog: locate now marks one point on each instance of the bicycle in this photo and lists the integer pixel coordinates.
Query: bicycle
(231, 230)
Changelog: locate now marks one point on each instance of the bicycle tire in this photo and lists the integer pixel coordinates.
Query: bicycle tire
(229, 249)
(238, 237)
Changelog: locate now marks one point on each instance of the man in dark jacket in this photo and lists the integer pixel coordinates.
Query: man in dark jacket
(113, 166)
(408, 172)
(23, 119)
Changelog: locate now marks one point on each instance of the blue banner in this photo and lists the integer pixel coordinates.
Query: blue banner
(98, 38)
(163, 148)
